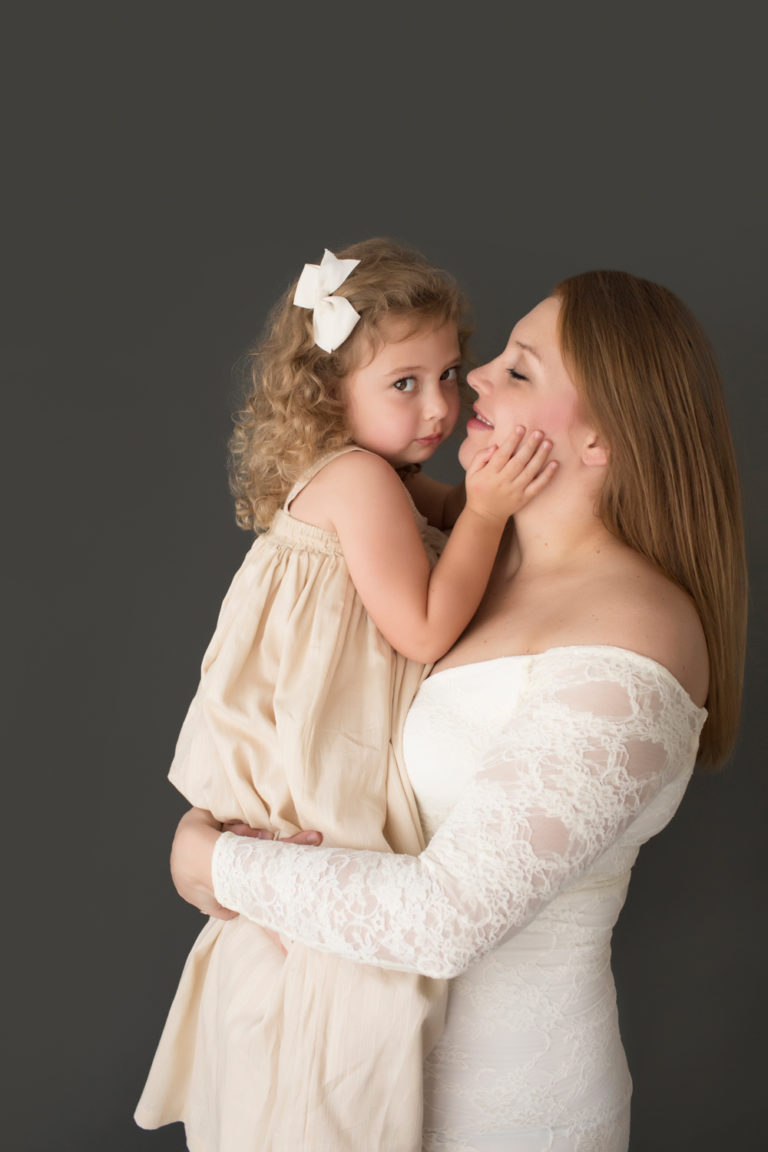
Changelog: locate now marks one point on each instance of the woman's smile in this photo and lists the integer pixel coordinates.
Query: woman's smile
(478, 420)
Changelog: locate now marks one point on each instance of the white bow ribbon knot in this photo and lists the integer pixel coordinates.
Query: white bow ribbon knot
(333, 317)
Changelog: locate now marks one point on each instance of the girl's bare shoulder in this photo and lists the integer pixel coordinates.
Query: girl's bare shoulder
(349, 479)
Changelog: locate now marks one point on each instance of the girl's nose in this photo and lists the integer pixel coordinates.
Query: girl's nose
(435, 404)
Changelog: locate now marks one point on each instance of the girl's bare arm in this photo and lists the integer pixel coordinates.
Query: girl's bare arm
(421, 612)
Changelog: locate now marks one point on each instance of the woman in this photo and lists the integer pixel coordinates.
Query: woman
(557, 735)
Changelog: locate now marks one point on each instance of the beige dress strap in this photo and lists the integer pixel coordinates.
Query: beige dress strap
(313, 470)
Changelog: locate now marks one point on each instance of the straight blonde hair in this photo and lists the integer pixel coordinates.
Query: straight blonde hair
(648, 377)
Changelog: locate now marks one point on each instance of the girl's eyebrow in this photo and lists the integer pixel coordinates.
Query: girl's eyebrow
(453, 361)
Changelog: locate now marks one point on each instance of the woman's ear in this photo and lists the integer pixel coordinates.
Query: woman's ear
(594, 453)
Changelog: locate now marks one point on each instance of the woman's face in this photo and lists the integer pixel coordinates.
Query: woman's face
(527, 385)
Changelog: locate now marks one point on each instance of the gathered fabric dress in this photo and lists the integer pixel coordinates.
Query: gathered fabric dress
(538, 777)
(296, 724)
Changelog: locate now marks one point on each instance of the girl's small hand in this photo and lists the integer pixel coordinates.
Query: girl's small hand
(502, 479)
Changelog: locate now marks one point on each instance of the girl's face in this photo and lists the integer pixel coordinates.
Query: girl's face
(405, 401)
(528, 385)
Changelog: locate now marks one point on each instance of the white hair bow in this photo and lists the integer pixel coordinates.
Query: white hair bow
(333, 317)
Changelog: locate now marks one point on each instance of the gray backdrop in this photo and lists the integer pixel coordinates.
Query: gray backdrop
(167, 169)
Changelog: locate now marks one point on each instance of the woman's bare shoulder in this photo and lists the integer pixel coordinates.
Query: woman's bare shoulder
(641, 609)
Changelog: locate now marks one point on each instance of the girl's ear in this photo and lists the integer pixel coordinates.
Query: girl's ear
(594, 453)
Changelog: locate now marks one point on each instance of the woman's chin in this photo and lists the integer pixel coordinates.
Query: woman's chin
(466, 452)
(469, 448)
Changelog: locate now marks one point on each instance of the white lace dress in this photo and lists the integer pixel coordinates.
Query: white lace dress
(538, 778)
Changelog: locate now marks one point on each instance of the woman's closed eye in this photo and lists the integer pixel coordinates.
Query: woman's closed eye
(516, 375)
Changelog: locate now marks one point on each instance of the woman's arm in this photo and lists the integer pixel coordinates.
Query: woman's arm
(192, 852)
(591, 743)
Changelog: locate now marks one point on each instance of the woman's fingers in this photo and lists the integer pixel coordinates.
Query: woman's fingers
(241, 829)
(309, 837)
(216, 910)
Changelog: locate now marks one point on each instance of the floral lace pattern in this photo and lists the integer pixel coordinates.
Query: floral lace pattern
(541, 813)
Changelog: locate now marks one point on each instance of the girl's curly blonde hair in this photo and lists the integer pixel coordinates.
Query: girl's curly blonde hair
(293, 410)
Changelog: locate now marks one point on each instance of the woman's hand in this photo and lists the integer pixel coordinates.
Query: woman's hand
(192, 855)
(241, 829)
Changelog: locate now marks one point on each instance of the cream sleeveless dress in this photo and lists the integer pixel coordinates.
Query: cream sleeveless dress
(295, 725)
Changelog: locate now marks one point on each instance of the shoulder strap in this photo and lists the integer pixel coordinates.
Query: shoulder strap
(313, 470)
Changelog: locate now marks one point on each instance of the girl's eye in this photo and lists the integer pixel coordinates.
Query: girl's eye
(516, 375)
(407, 384)
(451, 375)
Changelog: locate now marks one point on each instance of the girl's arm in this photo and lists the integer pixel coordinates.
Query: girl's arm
(441, 503)
(421, 612)
(595, 741)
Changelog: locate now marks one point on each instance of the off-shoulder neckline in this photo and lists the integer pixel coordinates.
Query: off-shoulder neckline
(560, 648)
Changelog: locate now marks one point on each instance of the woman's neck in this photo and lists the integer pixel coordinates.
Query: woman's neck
(547, 539)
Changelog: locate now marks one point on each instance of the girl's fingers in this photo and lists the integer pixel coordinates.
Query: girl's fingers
(519, 453)
(513, 448)
(537, 459)
(524, 456)
(528, 460)
(481, 458)
(541, 479)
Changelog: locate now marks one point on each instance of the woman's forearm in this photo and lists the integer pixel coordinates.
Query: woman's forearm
(191, 854)
(535, 817)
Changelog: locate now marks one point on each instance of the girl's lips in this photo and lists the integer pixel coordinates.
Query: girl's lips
(427, 441)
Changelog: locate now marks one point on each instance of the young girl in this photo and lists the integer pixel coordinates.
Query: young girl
(317, 654)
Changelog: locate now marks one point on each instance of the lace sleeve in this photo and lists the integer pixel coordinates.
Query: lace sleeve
(588, 745)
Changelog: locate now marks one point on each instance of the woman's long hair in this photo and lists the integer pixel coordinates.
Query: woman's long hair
(648, 376)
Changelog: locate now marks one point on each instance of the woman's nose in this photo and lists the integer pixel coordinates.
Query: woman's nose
(477, 378)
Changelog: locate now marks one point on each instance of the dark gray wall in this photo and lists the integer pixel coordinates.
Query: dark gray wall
(167, 169)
